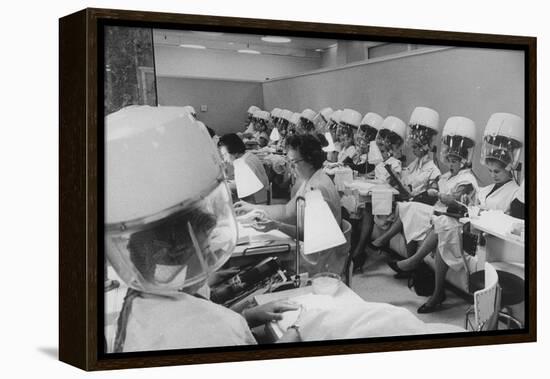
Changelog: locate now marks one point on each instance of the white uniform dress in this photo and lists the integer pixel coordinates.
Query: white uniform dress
(182, 322)
(417, 217)
(449, 230)
(380, 172)
(419, 174)
(499, 199)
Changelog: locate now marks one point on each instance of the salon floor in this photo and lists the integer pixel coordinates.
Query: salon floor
(377, 284)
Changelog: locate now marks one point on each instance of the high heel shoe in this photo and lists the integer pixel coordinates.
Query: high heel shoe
(425, 308)
(393, 265)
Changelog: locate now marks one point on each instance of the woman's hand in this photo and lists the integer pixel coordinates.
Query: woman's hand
(265, 225)
(242, 207)
(221, 275)
(272, 311)
(370, 175)
(432, 192)
(446, 199)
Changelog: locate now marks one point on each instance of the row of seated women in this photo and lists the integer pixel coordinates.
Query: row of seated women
(431, 202)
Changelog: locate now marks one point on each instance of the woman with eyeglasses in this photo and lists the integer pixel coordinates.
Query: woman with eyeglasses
(306, 156)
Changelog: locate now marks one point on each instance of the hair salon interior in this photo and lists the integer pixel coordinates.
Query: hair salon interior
(285, 188)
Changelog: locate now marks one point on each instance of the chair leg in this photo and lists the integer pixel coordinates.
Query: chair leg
(469, 311)
(509, 318)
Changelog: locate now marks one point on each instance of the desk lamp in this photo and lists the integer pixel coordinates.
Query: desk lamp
(246, 181)
(330, 147)
(320, 231)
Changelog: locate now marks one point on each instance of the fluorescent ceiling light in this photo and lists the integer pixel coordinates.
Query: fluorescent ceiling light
(275, 39)
(248, 51)
(318, 49)
(192, 46)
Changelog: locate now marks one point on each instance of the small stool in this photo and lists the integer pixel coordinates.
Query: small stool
(513, 290)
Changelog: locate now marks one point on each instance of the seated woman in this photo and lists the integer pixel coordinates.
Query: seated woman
(422, 173)
(306, 157)
(389, 141)
(366, 133)
(332, 126)
(502, 142)
(233, 148)
(306, 124)
(349, 122)
(456, 187)
(321, 120)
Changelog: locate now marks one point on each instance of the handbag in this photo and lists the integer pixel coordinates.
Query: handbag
(422, 280)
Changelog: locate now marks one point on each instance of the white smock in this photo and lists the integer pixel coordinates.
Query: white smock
(380, 172)
(183, 322)
(419, 174)
(416, 217)
(344, 153)
(499, 199)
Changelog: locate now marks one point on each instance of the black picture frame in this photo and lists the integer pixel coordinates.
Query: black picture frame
(80, 196)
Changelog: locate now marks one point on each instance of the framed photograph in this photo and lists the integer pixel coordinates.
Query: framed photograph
(240, 189)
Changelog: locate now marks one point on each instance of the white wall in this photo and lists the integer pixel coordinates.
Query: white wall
(184, 62)
(473, 83)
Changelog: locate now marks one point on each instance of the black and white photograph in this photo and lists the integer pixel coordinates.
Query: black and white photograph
(279, 188)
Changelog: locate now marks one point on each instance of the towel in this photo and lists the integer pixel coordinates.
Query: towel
(381, 201)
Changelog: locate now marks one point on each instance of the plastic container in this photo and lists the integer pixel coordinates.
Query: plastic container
(325, 283)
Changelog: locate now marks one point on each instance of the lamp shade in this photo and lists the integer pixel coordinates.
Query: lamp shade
(330, 147)
(321, 231)
(275, 136)
(246, 181)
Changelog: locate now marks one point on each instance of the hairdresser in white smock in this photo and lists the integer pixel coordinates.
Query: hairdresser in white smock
(169, 226)
(305, 154)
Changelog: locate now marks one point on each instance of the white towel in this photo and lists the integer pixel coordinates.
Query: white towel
(381, 201)
(342, 176)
